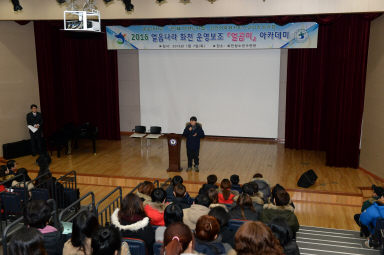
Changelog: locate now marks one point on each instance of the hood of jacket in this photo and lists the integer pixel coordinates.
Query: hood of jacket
(283, 208)
(258, 198)
(260, 180)
(157, 206)
(143, 196)
(132, 227)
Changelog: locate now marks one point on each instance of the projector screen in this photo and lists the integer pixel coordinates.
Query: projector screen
(231, 92)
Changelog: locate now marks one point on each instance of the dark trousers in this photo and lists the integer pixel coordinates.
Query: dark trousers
(193, 155)
(36, 142)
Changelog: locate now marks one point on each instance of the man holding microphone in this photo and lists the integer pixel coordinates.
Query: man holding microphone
(193, 132)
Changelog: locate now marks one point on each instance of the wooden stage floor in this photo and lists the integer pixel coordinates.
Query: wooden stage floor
(331, 202)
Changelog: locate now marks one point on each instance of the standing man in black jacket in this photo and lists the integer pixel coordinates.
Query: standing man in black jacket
(35, 119)
(193, 132)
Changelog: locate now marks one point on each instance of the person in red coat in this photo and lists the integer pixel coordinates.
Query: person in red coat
(155, 208)
(226, 196)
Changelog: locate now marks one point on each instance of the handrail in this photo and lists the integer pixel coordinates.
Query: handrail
(75, 203)
(62, 178)
(38, 178)
(69, 180)
(109, 207)
(166, 182)
(24, 184)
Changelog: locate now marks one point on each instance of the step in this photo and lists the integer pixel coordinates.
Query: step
(329, 238)
(332, 231)
(313, 247)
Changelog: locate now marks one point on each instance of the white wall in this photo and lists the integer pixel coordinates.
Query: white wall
(232, 92)
(18, 80)
(145, 9)
(129, 89)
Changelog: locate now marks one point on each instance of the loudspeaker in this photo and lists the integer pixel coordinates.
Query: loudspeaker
(307, 179)
(17, 149)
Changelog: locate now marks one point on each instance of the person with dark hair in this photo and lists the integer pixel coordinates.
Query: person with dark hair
(178, 239)
(285, 236)
(222, 216)
(84, 226)
(145, 190)
(252, 190)
(27, 241)
(177, 179)
(132, 221)
(213, 195)
(263, 186)
(180, 192)
(37, 214)
(244, 209)
(9, 171)
(235, 180)
(173, 213)
(211, 183)
(282, 209)
(193, 132)
(207, 237)
(35, 120)
(200, 207)
(107, 241)
(254, 237)
(225, 195)
(22, 176)
(155, 208)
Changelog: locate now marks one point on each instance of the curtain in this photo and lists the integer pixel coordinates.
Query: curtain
(325, 90)
(78, 79)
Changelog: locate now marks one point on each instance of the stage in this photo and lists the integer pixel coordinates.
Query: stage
(337, 193)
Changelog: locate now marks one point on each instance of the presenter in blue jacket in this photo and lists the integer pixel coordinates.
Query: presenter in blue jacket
(193, 132)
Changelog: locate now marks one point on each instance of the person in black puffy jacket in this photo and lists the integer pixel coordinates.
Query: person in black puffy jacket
(285, 236)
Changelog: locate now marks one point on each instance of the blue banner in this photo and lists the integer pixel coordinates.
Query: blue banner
(213, 36)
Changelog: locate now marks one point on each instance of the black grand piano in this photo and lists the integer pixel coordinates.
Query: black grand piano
(67, 137)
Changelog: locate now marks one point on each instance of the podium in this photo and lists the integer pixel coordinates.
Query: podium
(174, 145)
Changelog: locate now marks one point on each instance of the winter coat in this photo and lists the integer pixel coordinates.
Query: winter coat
(69, 249)
(369, 216)
(171, 196)
(228, 235)
(145, 198)
(263, 187)
(229, 201)
(216, 205)
(237, 187)
(155, 212)
(192, 214)
(258, 201)
(285, 236)
(367, 203)
(235, 213)
(140, 230)
(193, 141)
(53, 241)
(215, 247)
(204, 189)
(272, 211)
(182, 202)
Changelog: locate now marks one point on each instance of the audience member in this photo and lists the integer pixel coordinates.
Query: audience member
(274, 190)
(244, 209)
(263, 186)
(11, 167)
(84, 226)
(208, 240)
(36, 215)
(225, 195)
(177, 179)
(8, 172)
(211, 183)
(179, 192)
(285, 236)
(254, 237)
(235, 180)
(173, 213)
(178, 239)
(281, 208)
(27, 241)
(145, 190)
(222, 216)
(155, 208)
(377, 193)
(369, 217)
(19, 180)
(252, 190)
(107, 241)
(132, 221)
(213, 195)
(200, 207)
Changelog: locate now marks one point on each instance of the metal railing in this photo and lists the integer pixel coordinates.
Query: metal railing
(75, 208)
(105, 213)
(65, 182)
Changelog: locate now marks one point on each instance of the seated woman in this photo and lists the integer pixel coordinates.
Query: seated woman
(244, 209)
(257, 197)
(155, 208)
(207, 237)
(132, 221)
(225, 195)
(19, 181)
(27, 239)
(84, 226)
(107, 241)
(178, 239)
(145, 191)
(173, 213)
(36, 215)
(253, 237)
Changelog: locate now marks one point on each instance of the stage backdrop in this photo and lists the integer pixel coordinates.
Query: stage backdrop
(232, 92)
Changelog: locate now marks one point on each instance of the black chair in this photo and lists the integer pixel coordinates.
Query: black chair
(157, 248)
(12, 204)
(40, 194)
(136, 246)
(155, 130)
(140, 129)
